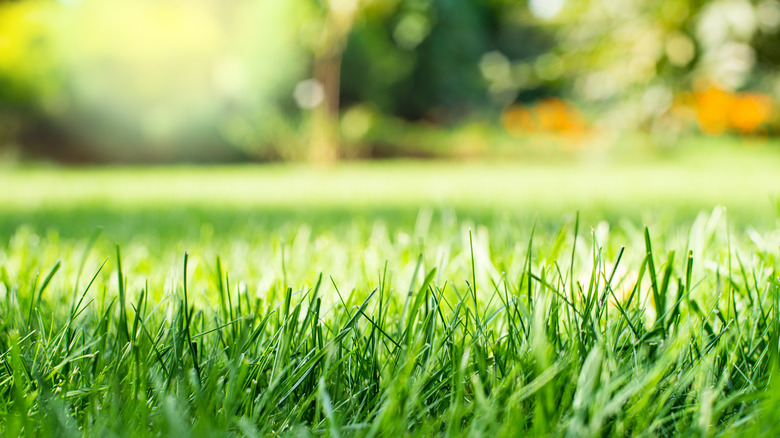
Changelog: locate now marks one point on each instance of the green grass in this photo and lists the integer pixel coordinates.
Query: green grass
(296, 301)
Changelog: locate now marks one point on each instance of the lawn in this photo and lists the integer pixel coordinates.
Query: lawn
(578, 298)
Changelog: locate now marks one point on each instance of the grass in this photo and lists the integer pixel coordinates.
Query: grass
(260, 302)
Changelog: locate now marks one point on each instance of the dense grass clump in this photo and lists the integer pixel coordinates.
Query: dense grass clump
(439, 331)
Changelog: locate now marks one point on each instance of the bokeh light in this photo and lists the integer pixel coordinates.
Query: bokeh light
(245, 80)
(127, 73)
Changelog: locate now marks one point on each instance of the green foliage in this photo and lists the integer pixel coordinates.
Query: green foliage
(425, 58)
(153, 78)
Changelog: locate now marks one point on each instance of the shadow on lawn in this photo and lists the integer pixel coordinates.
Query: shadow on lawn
(190, 222)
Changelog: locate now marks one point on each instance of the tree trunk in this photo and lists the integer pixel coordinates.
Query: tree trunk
(326, 138)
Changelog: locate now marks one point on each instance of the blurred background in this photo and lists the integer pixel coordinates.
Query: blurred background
(160, 81)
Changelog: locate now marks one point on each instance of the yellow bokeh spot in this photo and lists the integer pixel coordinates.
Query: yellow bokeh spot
(25, 46)
(712, 106)
(551, 116)
(518, 121)
(718, 111)
(749, 111)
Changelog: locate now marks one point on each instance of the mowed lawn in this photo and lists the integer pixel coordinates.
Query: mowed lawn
(698, 178)
(129, 200)
(589, 297)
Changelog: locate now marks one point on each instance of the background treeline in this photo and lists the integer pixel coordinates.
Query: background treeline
(167, 80)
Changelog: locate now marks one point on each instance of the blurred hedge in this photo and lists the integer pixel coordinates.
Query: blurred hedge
(206, 80)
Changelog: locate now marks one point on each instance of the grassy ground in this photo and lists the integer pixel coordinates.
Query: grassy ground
(393, 298)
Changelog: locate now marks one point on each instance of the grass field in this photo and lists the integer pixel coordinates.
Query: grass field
(397, 298)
